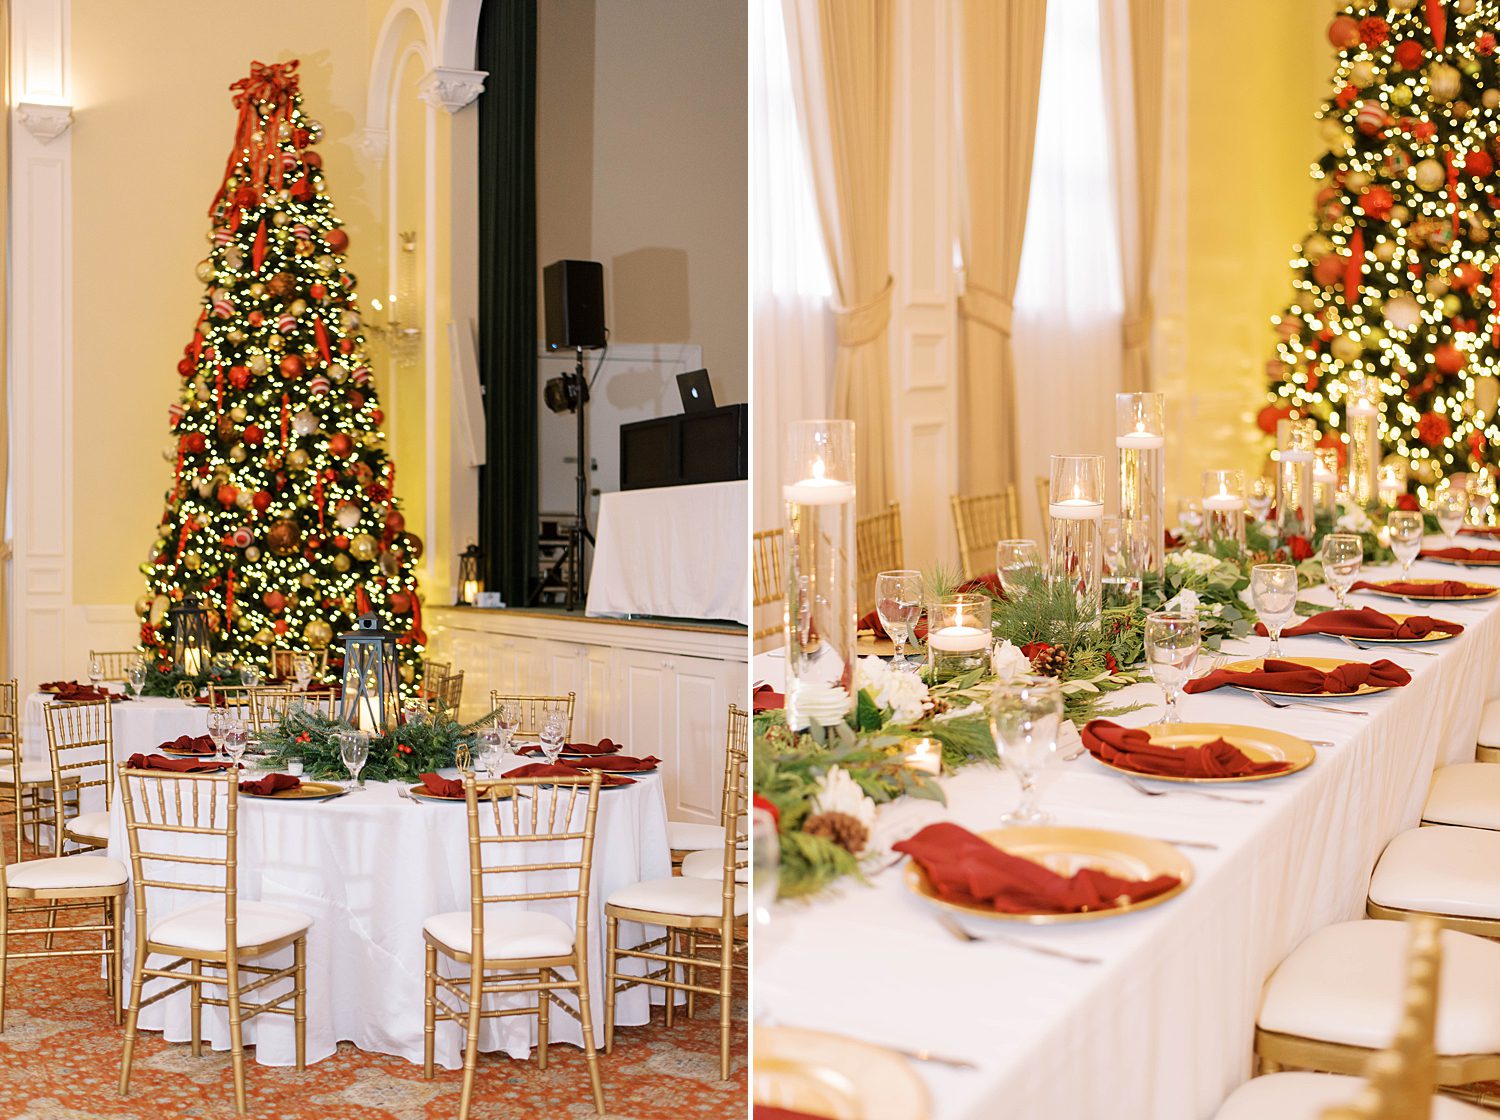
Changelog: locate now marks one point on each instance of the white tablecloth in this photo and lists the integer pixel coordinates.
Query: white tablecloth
(139, 725)
(369, 869)
(673, 552)
(1163, 1029)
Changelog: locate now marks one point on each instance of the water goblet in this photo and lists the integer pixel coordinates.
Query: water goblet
(1172, 643)
(1262, 497)
(1190, 517)
(96, 671)
(1406, 530)
(137, 678)
(217, 719)
(1274, 589)
(898, 602)
(1450, 506)
(1018, 563)
(552, 735)
(1481, 489)
(236, 739)
(1024, 717)
(491, 750)
(249, 676)
(1343, 553)
(302, 669)
(354, 750)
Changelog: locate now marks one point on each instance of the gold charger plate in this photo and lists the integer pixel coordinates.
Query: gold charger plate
(835, 1077)
(1066, 851)
(1258, 743)
(307, 791)
(1493, 591)
(419, 791)
(1325, 664)
(1435, 636)
(866, 644)
(1463, 563)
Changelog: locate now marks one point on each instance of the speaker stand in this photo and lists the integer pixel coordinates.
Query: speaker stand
(576, 595)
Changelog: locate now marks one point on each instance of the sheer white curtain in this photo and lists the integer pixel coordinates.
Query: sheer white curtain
(792, 337)
(1069, 302)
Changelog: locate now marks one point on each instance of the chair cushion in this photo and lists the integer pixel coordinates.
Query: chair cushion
(202, 927)
(710, 865)
(1467, 794)
(1347, 984)
(33, 771)
(1304, 1096)
(509, 935)
(683, 836)
(67, 872)
(688, 897)
(1440, 870)
(95, 826)
(1489, 725)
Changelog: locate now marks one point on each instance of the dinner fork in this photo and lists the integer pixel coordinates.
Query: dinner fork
(962, 934)
(1149, 792)
(1348, 641)
(1264, 699)
(402, 791)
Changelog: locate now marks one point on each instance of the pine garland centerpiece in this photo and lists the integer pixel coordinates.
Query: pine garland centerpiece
(412, 749)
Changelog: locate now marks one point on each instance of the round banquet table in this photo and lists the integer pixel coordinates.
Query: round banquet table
(369, 868)
(139, 725)
(1162, 1029)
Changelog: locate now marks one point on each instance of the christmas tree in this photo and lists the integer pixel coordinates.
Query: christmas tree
(1399, 283)
(281, 518)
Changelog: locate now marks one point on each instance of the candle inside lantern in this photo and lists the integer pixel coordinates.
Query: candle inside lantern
(819, 490)
(192, 661)
(925, 755)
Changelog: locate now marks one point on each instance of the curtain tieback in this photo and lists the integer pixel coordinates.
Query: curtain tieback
(987, 306)
(1136, 332)
(864, 322)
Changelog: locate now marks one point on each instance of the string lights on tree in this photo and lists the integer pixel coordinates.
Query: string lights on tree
(281, 517)
(1397, 288)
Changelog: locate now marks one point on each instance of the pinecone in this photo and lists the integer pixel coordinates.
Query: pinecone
(1050, 661)
(841, 828)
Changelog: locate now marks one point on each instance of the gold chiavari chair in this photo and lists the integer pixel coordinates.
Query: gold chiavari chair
(448, 693)
(62, 884)
(684, 904)
(24, 786)
(432, 674)
(553, 821)
(766, 569)
(534, 709)
(235, 700)
(877, 548)
(284, 662)
(166, 811)
(690, 840)
(1043, 497)
(269, 704)
(982, 521)
(81, 743)
(115, 663)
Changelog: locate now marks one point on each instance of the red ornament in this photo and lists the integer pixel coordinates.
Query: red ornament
(1330, 269)
(246, 197)
(340, 445)
(1267, 418)
(1477, 444)
(186, 367)
(279, 626)
(1408, 502)
(400, 602)
(255, 318)
(1479, 164)
(1448, 359)
(1372, 119)
(1484, 43)
(253, 435)
(337, 240)
(395, 522)
(1373, 31)
(1299, 548)
(275, 601)
(318, 291)
(1346, 97)
(1409, 54)
(292, 366)
(345, 346)
(226, 495)
(377, 415)
(341, 541)
(194, 443)
(1433, 429)
(261, 501)
(302, 191)
(239, 376)
(312, 159)
(1466, 275)
(301, 137)
(1377, 201)
(1343, 32)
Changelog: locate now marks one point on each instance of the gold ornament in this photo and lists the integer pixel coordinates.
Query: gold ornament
(1385, 251)
(408, 674)
(193, 561)
(205, 270)
(1444, 81)
(1430, 175)
(284, 537)
(237, 414)
(1345, 347)
(364, 547)
(252, 554)
(236, 336)
(341, 562)
(264, 637)
(143, 606)
(275, 342)
(1452, 305)
(257, 363)
(318, 633)
(1363, 73)
(308, 580)
(1401, 96)
(258, 290)
(325, 264)
(297, 308)
(296, 460)
(279, 218)
(238, 454)
(304, 248)
(1490, 99)
(1356, 181)
(158, 609)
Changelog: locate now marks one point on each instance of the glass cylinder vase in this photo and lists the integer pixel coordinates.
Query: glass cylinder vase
(817, 470)
(958, 635)
(1296, 440)
(1390, 483)
(1075, 514)
(1326, 480)
(1224, 507)
(1362, 423)
(1140, 448)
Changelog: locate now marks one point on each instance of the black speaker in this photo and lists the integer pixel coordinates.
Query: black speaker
(574, 294)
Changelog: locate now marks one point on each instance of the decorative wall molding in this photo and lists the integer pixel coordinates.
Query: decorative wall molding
(374, 143)
(451, 88)
(45, 122)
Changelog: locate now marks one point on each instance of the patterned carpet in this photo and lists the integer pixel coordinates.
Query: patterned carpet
(60, 1060)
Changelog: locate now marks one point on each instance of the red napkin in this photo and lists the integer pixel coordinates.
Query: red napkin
(766, 1112)
(270, 784)
(1366, 623)
(603, 746)
(767, 699)
(1481, 530)
(191, 744)
(71, 692)
(990, 582)
(1132, 749)
(1488, 555)
(439, 786)
(965, 869)
(617, 762)
(1289, 676)
(1447, 589)
(176, 765)
(562, 770)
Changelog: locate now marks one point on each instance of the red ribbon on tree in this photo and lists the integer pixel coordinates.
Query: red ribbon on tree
(1437, 22)
(361, 601)
(1452, 184)
(274, 84)
(258, 251)
(1355, 270)
(322, 334)
(283, 420)
(228, 596)
(1495, 302)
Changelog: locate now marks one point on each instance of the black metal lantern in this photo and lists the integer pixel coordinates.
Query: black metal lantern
(469, 582)
(190, 652)
(370, 700)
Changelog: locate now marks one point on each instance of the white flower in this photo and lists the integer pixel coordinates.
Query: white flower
(1356, 521)
(902, 694)
(1009, 662)
(1190, 563)
(1185, 601)
(839, 793)
(1247, 597)
(823, 703)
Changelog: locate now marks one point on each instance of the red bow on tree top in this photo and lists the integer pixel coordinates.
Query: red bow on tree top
(274, 82)
(257, 136)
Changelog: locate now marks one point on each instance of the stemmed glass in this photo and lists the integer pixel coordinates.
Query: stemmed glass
(1172, 644)
(491, 750)
(552, 735)
(96, 671)
(302, 669)
(137, 678)
(1406, 530)
(1450, 506)
(1190, 516)
(354, 750)
(217, 721)
(509, 719)
(1018, 563)
(249, 676)
(1274, 589)
(1024, 716)
(1343, 553)
(898, 602)
(236, 738)
(1481, 494)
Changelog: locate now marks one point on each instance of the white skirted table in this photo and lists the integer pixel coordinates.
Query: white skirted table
(673, 552)
(1163, 1028)
(369, 868)
(139, 725)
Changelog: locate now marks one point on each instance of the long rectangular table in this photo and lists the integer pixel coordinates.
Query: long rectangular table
(1163, 1028)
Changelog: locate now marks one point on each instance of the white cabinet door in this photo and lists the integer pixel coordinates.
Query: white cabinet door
(698, 694)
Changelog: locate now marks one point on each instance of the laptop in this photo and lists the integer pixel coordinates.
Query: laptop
(697, 394)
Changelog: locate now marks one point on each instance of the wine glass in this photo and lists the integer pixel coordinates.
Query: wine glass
(1406, 530)
(1274, 589)
(491, 750)
(137, 678)
(236, 738)
(1024, 716)
(1172, 643)
(898, 602)
(249, 676)
(1190, 516)
(1450, 506)
(1018, 563)
(302, 669)
(509, 719)
(96, 671)
(217, 718)
(1342, 555)
(552, 735)
(1262, 497)
(1481, 495)
(354, 749)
